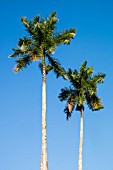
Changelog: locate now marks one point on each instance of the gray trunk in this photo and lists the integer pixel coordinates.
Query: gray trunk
(81, 140)
(44, 161)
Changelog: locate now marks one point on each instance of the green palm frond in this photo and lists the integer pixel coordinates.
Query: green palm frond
(99, 78)
(57, 68)
(22, 63)
(16, 53)
(48, 69)
(35, 54)
(32, 27)
(36, 18)
(85, 72)
(91, 87)
(52, 21)
(65, 94)
(83, 67)
(24, 45)
(94, 102)
(73, 77)
(65, 37)
(25, 40)
(25, 21)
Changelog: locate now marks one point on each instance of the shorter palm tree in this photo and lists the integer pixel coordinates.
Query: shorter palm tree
(83, 90)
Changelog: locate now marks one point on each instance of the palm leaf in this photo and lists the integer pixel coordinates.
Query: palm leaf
(58, 70)
(65, 94)
(52, 21)
(64, 37)
(16, 53)
(25, 21)
(99, 78)
(73, 76)
(22, 63)
(94, 102)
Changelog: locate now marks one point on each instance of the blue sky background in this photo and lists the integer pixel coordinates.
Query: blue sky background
(20, 94)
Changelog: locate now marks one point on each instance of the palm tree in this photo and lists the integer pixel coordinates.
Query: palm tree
(39, 45)
(83, 90)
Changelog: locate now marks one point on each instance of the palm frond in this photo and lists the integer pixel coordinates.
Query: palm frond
(32, 27)
(65, 37)
(57, 68)
(24, 41)
(35, 54)
(65, 94)
(16, 52)
(94, 102)
(91, 87)
(22, 63)
(85, 72)
(52, 21)
(25, 21)
(83, 67)
(73, 77)
(99, 78)
(24, 45)
(36, 18)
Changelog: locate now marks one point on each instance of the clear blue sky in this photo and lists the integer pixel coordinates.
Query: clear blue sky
(20, 94)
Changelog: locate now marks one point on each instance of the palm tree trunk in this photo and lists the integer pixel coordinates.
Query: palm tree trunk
(81, 141)
(44, 161)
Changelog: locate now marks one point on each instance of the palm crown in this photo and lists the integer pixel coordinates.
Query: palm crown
(83, 89)
(42, 40)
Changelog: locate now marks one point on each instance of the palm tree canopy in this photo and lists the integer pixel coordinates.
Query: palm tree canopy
(42, 39)
(83, 90)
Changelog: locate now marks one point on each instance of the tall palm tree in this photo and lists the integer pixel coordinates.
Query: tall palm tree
(39, 45)
(83, 90)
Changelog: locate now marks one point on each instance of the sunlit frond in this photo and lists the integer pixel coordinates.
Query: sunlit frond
(25, 21)
(65, 37)
(52, 21)
(94, 102)
(99, 78)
